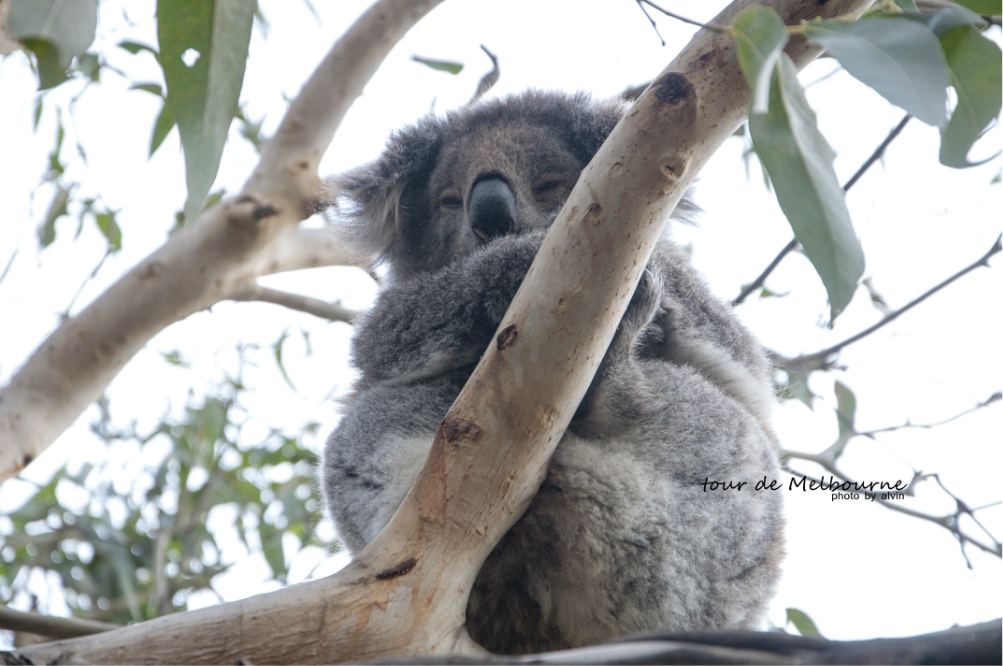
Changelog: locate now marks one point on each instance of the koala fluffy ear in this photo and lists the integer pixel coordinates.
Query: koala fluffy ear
(368, 203)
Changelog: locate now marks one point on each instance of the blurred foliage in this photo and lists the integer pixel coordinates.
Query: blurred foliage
(135, 545)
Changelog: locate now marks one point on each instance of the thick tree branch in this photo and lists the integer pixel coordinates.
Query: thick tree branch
(229, 245)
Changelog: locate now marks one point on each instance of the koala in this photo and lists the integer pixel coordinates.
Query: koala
(624, 535)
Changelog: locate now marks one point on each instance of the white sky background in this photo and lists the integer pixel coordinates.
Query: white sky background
(859, 571)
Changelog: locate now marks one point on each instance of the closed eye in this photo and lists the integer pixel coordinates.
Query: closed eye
(451, 201)
(547, 187)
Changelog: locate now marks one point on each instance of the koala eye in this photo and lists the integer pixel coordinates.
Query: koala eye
(547, 187)
(451, 201)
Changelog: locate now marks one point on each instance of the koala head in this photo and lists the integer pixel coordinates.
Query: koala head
(445, 186)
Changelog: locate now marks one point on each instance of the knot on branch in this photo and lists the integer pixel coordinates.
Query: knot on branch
(401, 569)
(248, 211)
(454, 428)
(673, 88)
(507, 337)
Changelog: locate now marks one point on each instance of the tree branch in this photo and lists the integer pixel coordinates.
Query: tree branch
(948, 522)
(49, 625)
(229, 245)
(826, 353)
(314, 306)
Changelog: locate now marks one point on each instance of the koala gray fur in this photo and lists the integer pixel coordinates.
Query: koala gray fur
(622, 537)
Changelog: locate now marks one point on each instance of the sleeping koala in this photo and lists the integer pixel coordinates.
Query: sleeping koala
(624, 536)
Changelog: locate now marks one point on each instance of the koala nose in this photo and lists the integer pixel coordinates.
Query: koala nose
(492, 209)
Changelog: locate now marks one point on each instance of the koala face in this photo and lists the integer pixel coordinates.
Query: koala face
(506, 178)
(445, 186)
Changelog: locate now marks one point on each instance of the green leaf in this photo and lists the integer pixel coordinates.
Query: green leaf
(440, 65)
(38, 113)
(277, 350)
(56, 209)
(161, 128)
(899, 58)
(203, 52)
(799, 161)
(175, 358)
(760, 39)
(109, 227)
(846, 410)
(55, 31)
(136, 47)
(975, 74)
(987, 7)
(153, 88)
(802, 622)
(945, 18)
(89, 64)
(250, 129)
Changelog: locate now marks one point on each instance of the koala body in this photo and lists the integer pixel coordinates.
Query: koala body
(623, 536)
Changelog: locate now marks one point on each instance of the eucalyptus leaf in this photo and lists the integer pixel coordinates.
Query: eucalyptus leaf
(975, 74)
(899, 58)
(799, 161)
(846, 410)
(110, 229)
(55, 31)
(760, 38)
(161, 128)
(136, 47)
(802, 622)
(440, 65)
(988, 7)
(203, 52)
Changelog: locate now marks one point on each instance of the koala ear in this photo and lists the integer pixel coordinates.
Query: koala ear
(370, 203)
(364, 205)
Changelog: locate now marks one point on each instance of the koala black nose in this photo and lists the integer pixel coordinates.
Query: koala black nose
(492, 209)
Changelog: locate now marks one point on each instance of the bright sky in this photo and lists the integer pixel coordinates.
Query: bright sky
(859, 571)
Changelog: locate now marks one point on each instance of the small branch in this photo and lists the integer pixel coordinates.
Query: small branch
(50, 625)
(315, 306)
(488, 80)
(948, 522)
(10, 262)
(878, 152)
(654, 26)
(758, 282)
(309, 248)
(875, 156)
(91, 276)
(825, 353)
(679, 17)
(995, 397)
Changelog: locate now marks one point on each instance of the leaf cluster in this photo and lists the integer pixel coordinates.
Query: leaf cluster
(133, 544)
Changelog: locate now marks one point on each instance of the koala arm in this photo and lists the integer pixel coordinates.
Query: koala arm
(442, 321)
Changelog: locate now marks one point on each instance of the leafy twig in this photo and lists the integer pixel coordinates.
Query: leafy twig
(875, 156)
